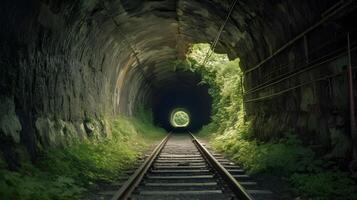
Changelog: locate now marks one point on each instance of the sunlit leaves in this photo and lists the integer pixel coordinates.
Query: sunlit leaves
(224, 79)
(312, 178)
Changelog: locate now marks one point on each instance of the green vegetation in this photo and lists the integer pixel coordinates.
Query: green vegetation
(310, 176)
(180, 119)
(224, 80)
(64, 173)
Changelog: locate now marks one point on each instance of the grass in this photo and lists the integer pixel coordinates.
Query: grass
(310, 176)
(65, 173)
(325, 185)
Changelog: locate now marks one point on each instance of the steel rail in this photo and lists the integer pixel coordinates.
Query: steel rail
(129, 186)
(234, 185)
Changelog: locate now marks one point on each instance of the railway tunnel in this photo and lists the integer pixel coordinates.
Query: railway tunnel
(69, 60)
(78, 60)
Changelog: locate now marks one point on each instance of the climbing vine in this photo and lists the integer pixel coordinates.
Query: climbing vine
(311, 176)
(224, 80)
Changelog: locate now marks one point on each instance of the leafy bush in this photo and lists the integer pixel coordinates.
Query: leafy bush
(281, 156)
(325, 185)
(31, 183)
(312, 177)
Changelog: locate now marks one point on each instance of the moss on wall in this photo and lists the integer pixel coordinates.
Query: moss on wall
(9, 123)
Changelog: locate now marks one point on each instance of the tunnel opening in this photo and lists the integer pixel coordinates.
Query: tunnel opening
(68, 67)
(183, 91)
(180, 118)
(198, 83)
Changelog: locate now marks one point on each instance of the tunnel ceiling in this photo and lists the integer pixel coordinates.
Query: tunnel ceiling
(75, 58)
(161, 31)
(74, 63)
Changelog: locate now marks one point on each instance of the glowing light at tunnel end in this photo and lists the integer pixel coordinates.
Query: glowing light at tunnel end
(180, 118)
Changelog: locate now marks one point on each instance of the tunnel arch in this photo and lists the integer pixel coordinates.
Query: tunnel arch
(190, 95)
(74, 59)
(144, 37)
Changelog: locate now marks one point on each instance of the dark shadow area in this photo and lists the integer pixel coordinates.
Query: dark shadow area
(183, 91)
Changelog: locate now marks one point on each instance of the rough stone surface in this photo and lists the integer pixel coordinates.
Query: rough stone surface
(55, 133)
(313, 102)
(9, 123)
(75, 60)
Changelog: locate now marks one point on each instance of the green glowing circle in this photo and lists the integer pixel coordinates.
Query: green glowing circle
(180, 118)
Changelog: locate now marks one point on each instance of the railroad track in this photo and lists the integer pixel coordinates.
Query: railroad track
(180, 167)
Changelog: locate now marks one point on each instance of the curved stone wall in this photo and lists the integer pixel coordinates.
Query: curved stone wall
(77, 61)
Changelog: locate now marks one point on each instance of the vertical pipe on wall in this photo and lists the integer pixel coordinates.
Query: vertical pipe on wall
(351, 100)
(242, 95)
(306, 49)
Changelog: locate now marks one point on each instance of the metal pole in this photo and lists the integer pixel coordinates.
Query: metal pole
(242, 96)
(306, 48)
(351, 100)
(215, 42)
